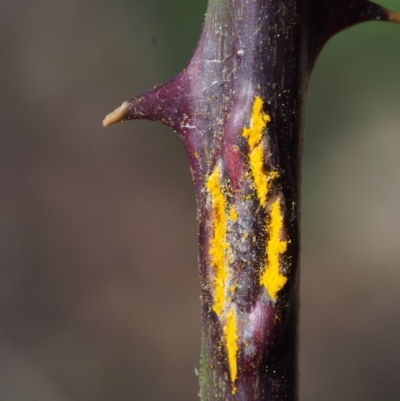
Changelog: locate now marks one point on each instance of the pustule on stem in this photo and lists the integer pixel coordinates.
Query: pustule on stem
(239, 109)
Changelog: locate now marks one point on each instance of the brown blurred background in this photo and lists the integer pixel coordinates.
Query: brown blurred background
(99, 295)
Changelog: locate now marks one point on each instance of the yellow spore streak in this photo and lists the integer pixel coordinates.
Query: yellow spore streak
(258, 123)
(260, 178)
(272, 279)
(231, 338)
(218, 247)
(218, 241)
(254, 135)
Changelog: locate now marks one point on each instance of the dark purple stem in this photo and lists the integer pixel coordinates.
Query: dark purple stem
(239, 109)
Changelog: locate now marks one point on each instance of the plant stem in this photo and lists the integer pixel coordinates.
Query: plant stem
(239, 109)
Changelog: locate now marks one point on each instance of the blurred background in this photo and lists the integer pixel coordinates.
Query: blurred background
(99, 294)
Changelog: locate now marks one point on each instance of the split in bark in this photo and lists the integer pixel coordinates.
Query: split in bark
(239, 109)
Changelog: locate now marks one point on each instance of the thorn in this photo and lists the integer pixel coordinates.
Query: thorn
(392, 16)
(333, 16)
(117, 116)
(168, 103)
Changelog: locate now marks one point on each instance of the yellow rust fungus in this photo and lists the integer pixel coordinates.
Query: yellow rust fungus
(231, 338)
(272, 278)
(233, 214)
(254, 135)
(218, 244)
(258, 123)
(218, 248)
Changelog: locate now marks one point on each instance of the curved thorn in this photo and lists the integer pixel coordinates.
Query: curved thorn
(392, 16)
(334, 16)
(167, 103)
